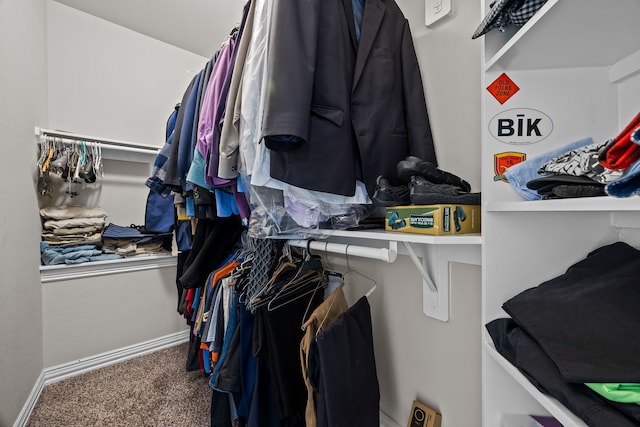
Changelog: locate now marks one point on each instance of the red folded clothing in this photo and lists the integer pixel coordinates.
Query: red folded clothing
(622, 152)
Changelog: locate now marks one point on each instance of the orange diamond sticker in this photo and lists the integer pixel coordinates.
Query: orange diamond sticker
(503, 88)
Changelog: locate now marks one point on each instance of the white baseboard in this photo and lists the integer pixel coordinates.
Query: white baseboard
(81, 366)
(66, 370)
(386, 421)
(24, 414)
(87, 364)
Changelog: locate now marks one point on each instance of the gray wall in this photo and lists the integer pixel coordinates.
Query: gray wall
(23, 85)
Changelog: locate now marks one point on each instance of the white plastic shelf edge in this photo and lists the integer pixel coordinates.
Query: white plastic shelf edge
(56, 273)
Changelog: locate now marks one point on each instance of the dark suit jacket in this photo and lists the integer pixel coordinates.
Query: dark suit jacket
(358, 108)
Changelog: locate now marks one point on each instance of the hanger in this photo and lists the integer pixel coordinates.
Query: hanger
(349, 270)
(309, 271)
(294, 291)
(352, 270)
(45, 187)
(234, 31)
(314, 273)
(260, 294)
(329, 270)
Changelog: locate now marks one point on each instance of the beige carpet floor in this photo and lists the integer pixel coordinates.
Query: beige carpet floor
(150, 390)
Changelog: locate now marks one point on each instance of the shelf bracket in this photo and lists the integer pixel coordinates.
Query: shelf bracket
(434, 267)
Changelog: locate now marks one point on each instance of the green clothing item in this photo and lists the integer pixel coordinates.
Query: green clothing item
(617, 392)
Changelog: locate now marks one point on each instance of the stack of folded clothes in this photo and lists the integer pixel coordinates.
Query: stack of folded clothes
(72, 225)
(134, 240)
(72, 235)
(575, 336)
(582, 168)
(422, 183)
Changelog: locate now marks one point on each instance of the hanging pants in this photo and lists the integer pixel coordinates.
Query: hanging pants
(342, 368)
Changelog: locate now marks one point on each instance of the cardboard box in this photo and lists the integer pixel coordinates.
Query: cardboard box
(423, 416)
(437, 220)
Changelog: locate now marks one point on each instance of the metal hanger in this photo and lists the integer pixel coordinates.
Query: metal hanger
(289, 289)
(303, 276)
(349, 270)
(352, 270)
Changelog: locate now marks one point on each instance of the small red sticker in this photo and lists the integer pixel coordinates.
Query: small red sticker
(503, 161)
(503, 88)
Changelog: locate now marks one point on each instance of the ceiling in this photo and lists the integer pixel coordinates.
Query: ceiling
(198, 26)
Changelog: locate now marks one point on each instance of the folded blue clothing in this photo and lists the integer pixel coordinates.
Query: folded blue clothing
(519, 174)
(77, 248)
(52, 257)
(68, 249)
(73, 254)
(628, 184)
(101, 257)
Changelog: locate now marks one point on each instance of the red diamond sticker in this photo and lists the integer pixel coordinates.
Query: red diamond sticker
(503, 88)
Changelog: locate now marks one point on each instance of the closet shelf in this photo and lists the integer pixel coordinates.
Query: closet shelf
(585, 204)
(512, 35)
(555, 408)
(581, 45)
(111, 148)
(431, 256)
(56, 273)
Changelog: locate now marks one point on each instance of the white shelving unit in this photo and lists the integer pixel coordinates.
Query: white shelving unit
(112, 149)
(577, 62)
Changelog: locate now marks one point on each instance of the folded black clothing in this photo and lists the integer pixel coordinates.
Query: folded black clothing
(572, 191)
(522, 351)
(553, 180)
(586, 319)
(566, 186)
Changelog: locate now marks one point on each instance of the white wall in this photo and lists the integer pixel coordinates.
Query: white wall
(419, 357)
(450, 64)
(108, 81)
(23, 86)
(88, 316)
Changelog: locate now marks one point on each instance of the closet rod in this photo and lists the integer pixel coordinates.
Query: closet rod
(382, 254)
(126, 146)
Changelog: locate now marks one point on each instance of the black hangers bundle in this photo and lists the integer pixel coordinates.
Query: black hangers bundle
(292, 279)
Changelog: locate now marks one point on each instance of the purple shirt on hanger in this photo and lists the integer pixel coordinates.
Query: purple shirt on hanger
(208, 130)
